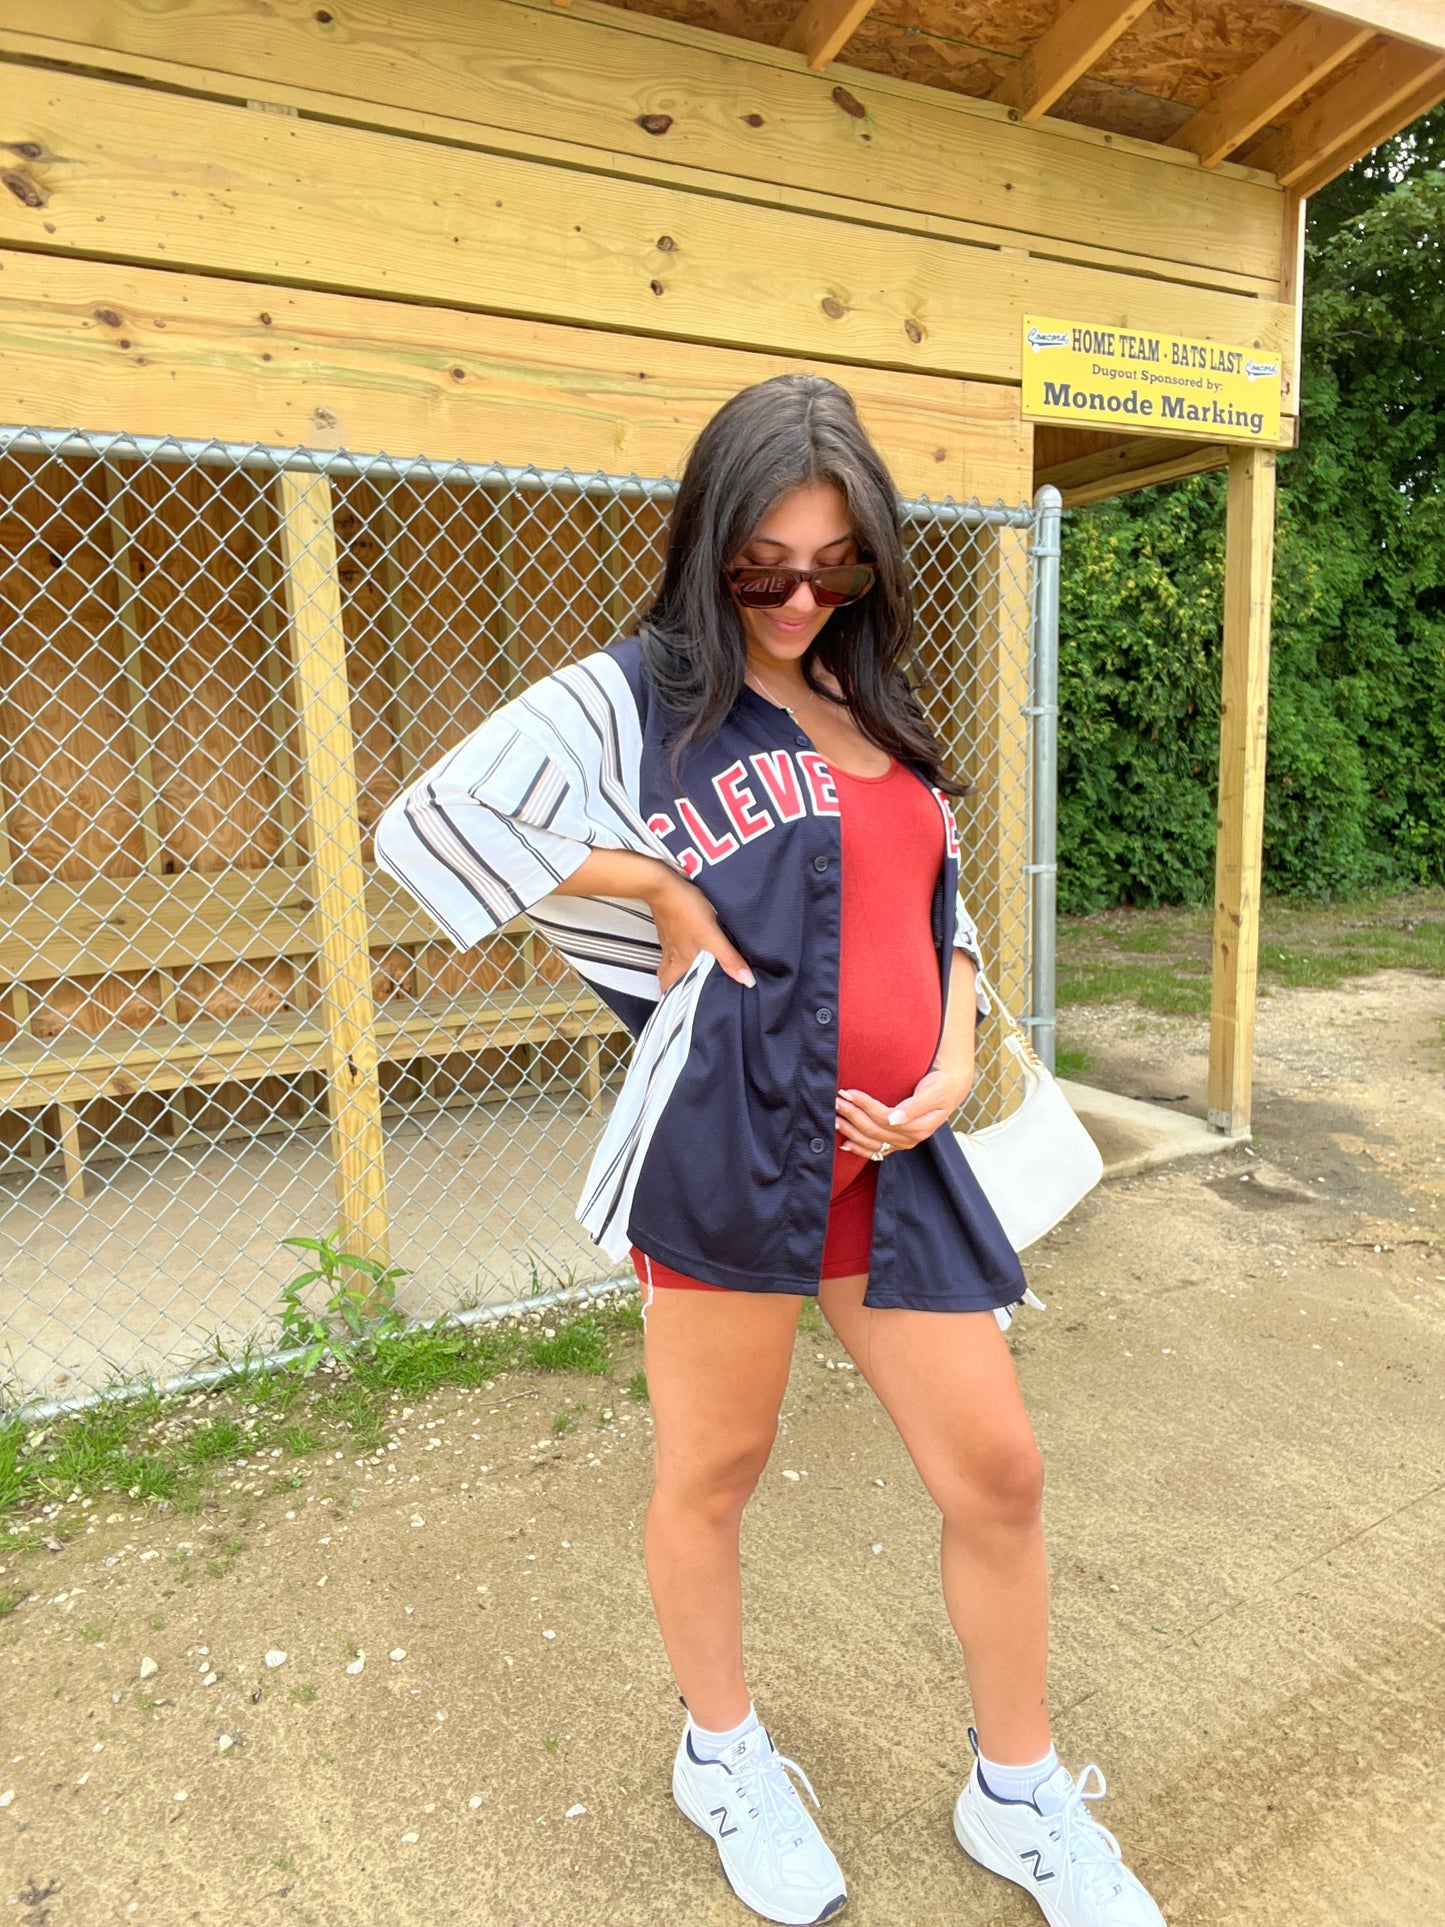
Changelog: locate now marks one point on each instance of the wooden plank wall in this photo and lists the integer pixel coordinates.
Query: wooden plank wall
(512, 159)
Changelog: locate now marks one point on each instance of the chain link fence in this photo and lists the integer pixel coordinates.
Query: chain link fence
(221, 1025)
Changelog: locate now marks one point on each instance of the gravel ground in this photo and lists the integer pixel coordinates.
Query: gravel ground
(1239, 1385)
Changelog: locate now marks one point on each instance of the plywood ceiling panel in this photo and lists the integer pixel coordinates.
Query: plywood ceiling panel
(1175, 57)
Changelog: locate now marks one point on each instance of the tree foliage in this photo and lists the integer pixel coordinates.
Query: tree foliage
(1355, 793)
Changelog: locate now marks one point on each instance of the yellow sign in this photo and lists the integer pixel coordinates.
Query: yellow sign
(1104, 377)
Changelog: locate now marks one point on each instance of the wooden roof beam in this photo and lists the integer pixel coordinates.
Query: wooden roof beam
(1382, 95)
(1049, 69)
(1275, 82)
(824, 27)
(1422, 21)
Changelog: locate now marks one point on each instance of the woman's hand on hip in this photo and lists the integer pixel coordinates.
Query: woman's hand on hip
(866, 1126)
(686, 926)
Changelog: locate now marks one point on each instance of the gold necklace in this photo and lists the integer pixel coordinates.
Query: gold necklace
(787, 708)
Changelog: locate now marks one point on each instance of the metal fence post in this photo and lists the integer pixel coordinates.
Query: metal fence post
(1044, 710)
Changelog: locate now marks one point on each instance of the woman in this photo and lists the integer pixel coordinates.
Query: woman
(736, 828)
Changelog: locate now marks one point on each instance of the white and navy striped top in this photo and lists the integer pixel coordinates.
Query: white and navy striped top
(717, 1156)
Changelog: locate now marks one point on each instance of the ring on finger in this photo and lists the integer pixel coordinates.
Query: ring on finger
(878, 1156)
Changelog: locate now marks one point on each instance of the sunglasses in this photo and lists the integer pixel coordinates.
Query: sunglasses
(769, 588)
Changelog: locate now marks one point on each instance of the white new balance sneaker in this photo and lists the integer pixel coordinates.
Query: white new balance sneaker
(775, 1859)
(1054, 1848)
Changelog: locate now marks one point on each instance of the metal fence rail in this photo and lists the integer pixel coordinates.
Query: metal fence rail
(220, 1025)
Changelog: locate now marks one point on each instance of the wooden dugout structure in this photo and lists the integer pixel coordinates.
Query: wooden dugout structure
(512, 231)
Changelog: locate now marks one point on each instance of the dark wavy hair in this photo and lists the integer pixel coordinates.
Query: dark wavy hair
(767, 441)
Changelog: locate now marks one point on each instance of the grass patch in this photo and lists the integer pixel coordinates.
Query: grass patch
(637, 1385)
(164, 1449)
(1071, 1060)
(578, 1346)
(1160, 960)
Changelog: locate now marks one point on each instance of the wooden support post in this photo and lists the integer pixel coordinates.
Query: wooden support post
(1248, 567)
(278, 708)
(323, 705)
(397, 664)
(1083, 31)
(504, 589)
(70, 1152)
(993, 864)
(824, 27)
(592, 1070)
(616, 567)
(137, 702)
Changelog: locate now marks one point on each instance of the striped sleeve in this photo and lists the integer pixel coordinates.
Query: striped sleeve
(495, 826)
(474, 838)
(965, 938)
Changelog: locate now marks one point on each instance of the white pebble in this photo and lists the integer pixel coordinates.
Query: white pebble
(410, 1839)
(549, 1634)
(224, 1743)
(397, 1652)
(179, 1796)
(475, 1802)
(417, 1519)
(275, 1658)
(358, 1665)
(878, 1545)
(148, 1668)
(574, 1813)
(791, 1475)
(7, 1796)
(209, 1680)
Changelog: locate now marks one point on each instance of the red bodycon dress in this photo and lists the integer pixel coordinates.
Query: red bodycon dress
(890, 1000)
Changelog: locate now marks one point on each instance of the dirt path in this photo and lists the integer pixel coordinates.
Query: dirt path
(1240, 1389)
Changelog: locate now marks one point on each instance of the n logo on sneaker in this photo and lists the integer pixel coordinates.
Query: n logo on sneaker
(720, 1814)
(1033, 1854)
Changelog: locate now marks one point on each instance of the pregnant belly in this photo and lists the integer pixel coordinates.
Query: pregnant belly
(884, 1050)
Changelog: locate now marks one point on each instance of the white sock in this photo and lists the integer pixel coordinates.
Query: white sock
(711, 1746)
(1016, 1782)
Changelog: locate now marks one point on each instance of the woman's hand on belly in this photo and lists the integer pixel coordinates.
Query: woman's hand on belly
(865, 1125)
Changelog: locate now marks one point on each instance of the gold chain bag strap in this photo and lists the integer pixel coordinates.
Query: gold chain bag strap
(1037, 1163)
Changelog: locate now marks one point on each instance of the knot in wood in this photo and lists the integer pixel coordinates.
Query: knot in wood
(666, 243)
(752, 120)
(656, 287)
(912, 330)
(109, 316)
(23, 188)
(833, 308)
(654, 123)
(849, 103)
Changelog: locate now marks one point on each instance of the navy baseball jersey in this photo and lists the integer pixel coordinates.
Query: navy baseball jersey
(717, 1158)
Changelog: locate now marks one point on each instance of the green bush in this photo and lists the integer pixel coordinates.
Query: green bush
(1355, 796)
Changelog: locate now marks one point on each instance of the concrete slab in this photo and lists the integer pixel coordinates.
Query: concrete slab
(1133, 1136)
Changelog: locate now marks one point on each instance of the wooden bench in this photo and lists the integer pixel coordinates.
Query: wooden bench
(168, 925)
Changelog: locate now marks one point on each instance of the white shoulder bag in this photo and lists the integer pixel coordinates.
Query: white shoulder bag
(1037, 1163)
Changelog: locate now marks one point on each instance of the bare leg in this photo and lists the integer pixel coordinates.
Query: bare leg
(717, 1366)
(947, 1381)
